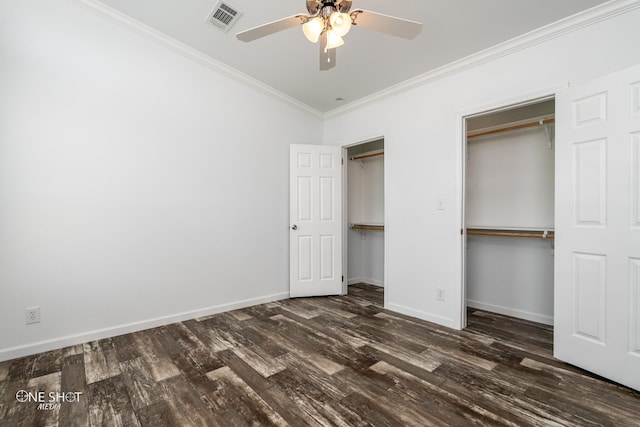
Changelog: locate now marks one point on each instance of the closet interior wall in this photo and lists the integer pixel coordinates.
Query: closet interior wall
(365, 206)
(510, 187)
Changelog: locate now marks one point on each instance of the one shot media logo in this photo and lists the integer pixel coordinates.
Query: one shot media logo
(51, 400)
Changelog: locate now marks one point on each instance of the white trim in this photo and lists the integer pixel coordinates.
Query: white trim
(520, 100)
(69, 340)
(100, 9)
(554, 30)
(375, 136)
(366, 281)
(508, 311)
(461, 148)
(423, 315)
(345, 222)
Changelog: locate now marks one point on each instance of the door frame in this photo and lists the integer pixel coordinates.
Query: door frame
(461, 119)
(345, 213)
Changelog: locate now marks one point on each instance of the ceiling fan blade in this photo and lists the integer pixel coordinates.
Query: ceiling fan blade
(270, 28)
(344, 5)
(386, 24)
(327, 56)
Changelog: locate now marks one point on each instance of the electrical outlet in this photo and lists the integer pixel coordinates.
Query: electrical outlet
(32, 315)
(440, 294)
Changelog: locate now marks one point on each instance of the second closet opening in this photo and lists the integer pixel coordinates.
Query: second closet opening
(509, 211)
(365, 213)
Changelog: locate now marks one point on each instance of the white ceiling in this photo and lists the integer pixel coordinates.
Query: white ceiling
(369, 61)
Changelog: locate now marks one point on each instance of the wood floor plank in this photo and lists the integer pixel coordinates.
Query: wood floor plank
(306, 395)
(237, 396)
(4, 371)
(299, 375)
(158, 361)
(141, 386)
(187, 407)
(259, 361)
(445, 407)
(182, 345)
(210, 335)
(272, 395)
(109, 403)
(377, 412)
(330, 361)
(300, 308)
(73, 380)
(100, 360)
(305, 336)
(29, 414)
(125, 346)
(265, 335)
(157, 415)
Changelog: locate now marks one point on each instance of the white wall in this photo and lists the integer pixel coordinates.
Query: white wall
(137, 186)
(509, 181)
(366, 205)
(421, 127)
(511, 276)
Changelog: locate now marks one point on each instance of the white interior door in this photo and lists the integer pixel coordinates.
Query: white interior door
(315, 220)
(597, 268)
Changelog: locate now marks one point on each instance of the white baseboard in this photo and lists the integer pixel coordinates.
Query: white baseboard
(423, 315)
(66, 341)
(507, 311)
(373, 282)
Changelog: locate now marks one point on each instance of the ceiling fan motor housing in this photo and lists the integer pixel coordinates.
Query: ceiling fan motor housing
(316, 6)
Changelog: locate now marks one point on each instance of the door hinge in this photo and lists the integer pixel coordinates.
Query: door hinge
(343, 278)
(342, 161)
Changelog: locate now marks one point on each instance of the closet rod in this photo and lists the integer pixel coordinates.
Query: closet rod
(512, 233)
(510, 128)
(367, 227)
(367, 155)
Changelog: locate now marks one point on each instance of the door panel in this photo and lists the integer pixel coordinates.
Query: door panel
(589, 273)
(597, 227)
(316, 220)
(590, 192)
(634, 291)
(635, 180)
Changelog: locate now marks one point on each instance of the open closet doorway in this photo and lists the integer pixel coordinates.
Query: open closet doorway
(365, 215)
(509, 211)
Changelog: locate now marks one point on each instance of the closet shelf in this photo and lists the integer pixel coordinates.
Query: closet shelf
(373, 227)
(535, 234)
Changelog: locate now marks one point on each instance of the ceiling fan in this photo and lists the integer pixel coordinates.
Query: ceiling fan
(328, 21)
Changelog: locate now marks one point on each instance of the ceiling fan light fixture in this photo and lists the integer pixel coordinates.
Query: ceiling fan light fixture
(340, 23)
(313, 28)
(333, 40)
(328, 21)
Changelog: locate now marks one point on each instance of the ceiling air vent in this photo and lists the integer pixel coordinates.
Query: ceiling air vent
(224, 16)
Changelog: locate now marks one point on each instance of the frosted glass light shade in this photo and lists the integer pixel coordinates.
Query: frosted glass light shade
(313, 28)
(340, 23)
(333, 40)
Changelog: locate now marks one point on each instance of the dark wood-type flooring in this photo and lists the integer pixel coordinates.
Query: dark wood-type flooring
(341, 361)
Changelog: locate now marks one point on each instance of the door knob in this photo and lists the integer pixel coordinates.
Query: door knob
(294, 227)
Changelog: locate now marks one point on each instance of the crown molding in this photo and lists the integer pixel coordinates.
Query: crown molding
(104, 11)
(554, 30)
